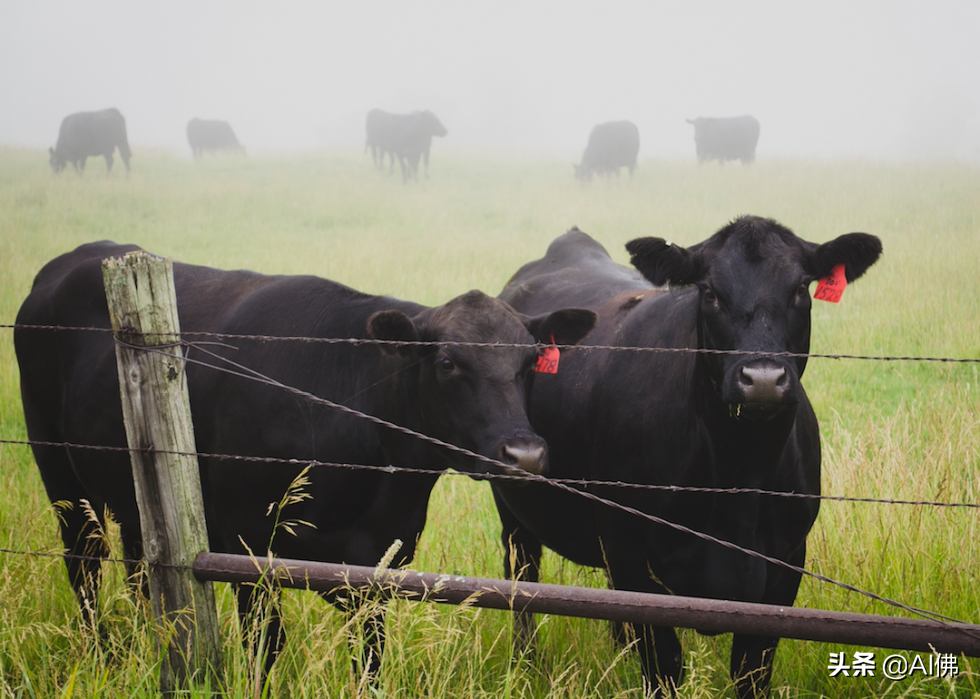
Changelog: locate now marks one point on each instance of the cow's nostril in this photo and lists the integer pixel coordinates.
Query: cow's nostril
(529, 459)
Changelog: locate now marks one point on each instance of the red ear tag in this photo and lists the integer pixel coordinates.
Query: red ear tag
(548, 360)
(832, 288)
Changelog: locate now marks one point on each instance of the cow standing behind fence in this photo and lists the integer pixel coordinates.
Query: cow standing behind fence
(407, 137)
(85, 134)
(680, 419)
(472, 397)
(611, 146)
(212, 135)
(734, 138)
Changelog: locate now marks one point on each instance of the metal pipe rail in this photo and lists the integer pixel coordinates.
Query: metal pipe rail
(709, 616)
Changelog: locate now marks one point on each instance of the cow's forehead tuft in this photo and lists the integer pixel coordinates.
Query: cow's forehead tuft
(476, 317)
(756, 239)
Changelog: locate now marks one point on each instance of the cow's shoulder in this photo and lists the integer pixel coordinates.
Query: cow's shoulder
(81, 258)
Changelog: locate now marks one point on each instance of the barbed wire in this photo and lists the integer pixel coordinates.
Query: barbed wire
(583, 482)
(508, 469)
(504, 345)
(251, 374)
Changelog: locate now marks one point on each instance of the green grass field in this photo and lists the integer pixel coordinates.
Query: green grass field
(899, 429)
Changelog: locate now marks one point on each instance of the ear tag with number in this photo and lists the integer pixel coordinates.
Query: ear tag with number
(548, 360)
(832, 288)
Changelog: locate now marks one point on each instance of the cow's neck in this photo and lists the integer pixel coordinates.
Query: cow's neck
(400, 405)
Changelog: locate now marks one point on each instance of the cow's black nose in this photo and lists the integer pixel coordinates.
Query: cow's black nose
(766, 383)
(529, 458)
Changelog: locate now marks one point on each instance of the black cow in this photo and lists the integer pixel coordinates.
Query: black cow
(611, 146)
(680, 419)
(212, 135)
(379, 125)
(473, 397)
(90, 133)
(733, 138)
(407, 137)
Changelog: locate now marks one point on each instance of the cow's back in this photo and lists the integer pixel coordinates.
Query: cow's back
(575, 271)
(612, 145)
(70, 388)
(86, 134)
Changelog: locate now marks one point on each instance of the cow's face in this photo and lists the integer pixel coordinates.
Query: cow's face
(477, 397)
(753, 280)
(57, 162)
(433, 125)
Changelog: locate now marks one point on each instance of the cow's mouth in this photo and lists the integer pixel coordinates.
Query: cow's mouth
(759, 412)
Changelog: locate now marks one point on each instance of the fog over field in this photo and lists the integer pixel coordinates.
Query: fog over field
(877, 79)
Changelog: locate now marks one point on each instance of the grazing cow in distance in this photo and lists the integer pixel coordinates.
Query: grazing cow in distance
(407, 137)
(473, 397)
(733, 138)
(611, 146)
(212, 135)
(379, 125)
(85, 134)
(688, 419)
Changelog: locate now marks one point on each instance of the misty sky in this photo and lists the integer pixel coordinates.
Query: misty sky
(877, 79)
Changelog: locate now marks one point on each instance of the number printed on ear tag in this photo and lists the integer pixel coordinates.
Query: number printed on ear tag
(832, 288)
(548, 360)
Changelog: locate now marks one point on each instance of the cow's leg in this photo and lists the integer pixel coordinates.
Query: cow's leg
(522, 561)
(751, 665)
(660, 660)
(369, 649)
(413, 162)
(752, 656)
(658, 646)
(367, 662)
(259, 615)
(85, 547)
(108, 163)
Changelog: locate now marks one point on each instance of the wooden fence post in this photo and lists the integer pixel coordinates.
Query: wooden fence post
(156, 408)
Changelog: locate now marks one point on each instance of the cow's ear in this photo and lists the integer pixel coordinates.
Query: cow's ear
(856, 251)
(565, 327)
(395, 326)
(662, 262)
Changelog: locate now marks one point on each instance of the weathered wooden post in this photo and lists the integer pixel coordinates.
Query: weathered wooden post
(156, 408)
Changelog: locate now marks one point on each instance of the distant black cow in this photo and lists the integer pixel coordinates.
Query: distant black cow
(212, 135)
(407, 137)
(611, 146)
(90, 133)
(379, 125)
(473, 397)
(733, 138)
(680, 419)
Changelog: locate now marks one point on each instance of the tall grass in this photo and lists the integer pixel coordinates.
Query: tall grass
(904, 430)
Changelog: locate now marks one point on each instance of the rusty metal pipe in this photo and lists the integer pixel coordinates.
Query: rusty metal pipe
(709, 616)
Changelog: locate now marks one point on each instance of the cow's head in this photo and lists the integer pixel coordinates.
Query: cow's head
(433, 125)
(477, 397)
(56, 161)
(753, 278)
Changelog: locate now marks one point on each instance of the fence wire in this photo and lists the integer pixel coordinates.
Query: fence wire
(509, 471)
(581, 347)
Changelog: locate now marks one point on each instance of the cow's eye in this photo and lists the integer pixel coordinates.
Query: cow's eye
(709, 295)
(446, 364)
(803, 291)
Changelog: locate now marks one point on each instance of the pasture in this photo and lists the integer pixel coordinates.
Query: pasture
(892, 430)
